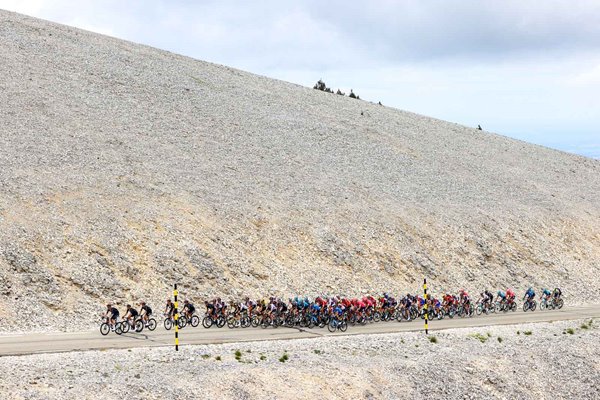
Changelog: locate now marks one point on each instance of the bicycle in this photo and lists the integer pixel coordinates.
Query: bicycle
(194, 320)
(169, 322)
(126, 326)
(105, 327)
(529, 304)
(150, 324)
(209, 321)
(337, 323)
(558, 303)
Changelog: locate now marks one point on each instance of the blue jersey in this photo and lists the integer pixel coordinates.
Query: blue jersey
(502, 294)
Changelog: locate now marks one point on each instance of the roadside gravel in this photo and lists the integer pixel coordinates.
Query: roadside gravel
(530, 361)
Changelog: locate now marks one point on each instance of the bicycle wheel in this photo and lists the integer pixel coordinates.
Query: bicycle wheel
(194, 321)
(125, 326)
(560, 303)
(231, 322)
(182, 321)
(245, 322)
(139, 325)
(220, 322)
(104, 329)
(332, 326)
(377, 316)
(168, 324)
(289, 321)
(151, 324)
(343, 326)
(118, 328)
(207, 322)
(265, 322)
(533, 306)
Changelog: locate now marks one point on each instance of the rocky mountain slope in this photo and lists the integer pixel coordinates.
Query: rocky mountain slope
(125, 169)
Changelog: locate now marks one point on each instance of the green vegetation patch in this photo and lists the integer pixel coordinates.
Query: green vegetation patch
(479, 336)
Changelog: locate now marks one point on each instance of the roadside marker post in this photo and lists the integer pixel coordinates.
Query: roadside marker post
(176, 318)
(426, 311)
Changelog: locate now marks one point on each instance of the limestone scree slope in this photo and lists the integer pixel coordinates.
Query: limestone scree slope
(124, 169)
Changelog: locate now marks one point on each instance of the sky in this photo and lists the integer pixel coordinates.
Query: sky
(525, 69)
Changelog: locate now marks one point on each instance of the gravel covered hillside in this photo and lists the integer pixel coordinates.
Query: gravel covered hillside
(125, 168)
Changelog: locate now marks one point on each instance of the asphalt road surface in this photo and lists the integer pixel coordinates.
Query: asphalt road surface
(92, 340)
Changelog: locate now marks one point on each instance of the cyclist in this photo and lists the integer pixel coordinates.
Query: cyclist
(546, 294)
(483, 299)
(112, 314)
(210, 309)
(170, 309)
(501, 296)
(529, 295)
(250, 304)
(557, 293)
(130, 315)
(465, 300)
(510, 295)
(282, 308)
(188, 309)
(338, 311)
(145, 312)
(489, 295)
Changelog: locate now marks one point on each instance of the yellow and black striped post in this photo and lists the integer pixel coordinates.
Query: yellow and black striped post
(176, 318)
(426, 311)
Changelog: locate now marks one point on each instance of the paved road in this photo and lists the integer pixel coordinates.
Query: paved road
(92, 340)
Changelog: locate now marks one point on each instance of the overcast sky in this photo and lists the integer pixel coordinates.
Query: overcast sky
(526, 69)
